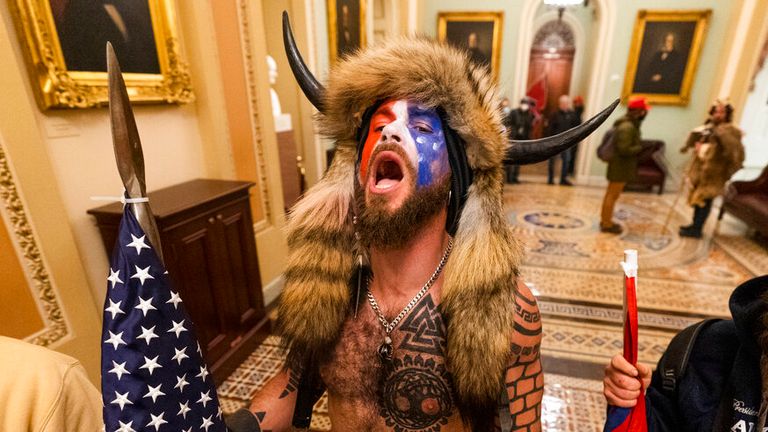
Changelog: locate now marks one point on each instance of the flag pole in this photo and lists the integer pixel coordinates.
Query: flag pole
(128, 153)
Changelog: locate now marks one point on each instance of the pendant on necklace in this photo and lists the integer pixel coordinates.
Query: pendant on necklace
(386, 350)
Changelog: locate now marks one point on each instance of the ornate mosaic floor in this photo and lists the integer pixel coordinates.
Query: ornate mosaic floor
(573, 269)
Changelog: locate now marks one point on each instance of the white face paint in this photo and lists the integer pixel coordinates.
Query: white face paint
(418, 132)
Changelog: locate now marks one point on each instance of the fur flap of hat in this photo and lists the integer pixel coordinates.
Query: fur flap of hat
(480, 276)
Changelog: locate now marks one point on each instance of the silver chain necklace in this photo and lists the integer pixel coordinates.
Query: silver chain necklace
(385, 349)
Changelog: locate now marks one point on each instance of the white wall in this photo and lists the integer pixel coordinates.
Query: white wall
(79, 145)
(754, 122)
(84, 166)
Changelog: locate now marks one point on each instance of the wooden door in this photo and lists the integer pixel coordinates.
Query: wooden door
(557, 67)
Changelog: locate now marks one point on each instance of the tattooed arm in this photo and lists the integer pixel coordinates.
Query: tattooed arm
(524, 378)
(272, 407)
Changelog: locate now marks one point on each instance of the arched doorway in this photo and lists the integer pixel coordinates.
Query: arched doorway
(551, 62)
(550, 70)
(591, 68)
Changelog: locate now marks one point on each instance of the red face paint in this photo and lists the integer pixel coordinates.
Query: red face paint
(382, 117)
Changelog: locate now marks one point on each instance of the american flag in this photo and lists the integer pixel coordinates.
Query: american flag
(153, 374)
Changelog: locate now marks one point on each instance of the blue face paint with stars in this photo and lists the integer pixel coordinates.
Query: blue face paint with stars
(426, 129)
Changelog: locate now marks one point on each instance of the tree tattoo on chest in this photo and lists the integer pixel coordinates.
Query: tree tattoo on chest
(416, 392)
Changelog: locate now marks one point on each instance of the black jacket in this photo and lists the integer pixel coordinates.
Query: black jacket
(723, 370)
(519, 124)
(561, 121)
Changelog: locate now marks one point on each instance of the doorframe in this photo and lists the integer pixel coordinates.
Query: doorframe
(578, 41)
(605, 25)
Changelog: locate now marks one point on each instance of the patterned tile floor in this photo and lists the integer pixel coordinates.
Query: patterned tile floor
(573, 269)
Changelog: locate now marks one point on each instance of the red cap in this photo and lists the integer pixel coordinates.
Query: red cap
(638, 103)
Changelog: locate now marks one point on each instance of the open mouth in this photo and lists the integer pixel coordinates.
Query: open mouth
(387, 171)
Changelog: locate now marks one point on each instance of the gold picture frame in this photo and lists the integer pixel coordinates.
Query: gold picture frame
(354, 38)
(166, 80)
(664, 55)
(457, 28)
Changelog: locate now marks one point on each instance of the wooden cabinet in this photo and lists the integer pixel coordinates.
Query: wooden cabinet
(209, 248)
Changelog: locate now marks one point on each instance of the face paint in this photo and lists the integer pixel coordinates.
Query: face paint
(418, 131)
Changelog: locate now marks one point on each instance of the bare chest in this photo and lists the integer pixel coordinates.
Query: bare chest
(412, 391)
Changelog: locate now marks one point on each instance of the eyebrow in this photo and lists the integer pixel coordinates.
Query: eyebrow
(384, 110)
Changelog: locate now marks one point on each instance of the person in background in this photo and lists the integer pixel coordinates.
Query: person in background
(719, 153)
(519, 124)
(578, 108)
(560, 121)
(45, 391)
(622, 167)
(713, 375)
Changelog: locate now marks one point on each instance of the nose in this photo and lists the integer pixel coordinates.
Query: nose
(391, 133)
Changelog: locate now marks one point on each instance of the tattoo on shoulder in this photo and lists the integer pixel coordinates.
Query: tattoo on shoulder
(293, 383)
(528, 317)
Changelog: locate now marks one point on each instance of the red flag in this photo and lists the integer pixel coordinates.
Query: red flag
(629, 419)
(538, 91)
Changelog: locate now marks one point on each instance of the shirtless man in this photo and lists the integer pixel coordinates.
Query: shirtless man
(436, 331)
(404, 225)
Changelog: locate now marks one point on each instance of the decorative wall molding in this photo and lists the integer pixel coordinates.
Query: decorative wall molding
(23, 235)
(251, 83)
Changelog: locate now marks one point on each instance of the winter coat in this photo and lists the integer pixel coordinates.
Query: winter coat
(519, 124)
(723, 371)
(715, 163)
(560, 121)
(622, 167)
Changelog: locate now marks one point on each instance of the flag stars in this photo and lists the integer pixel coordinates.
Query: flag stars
(204, 398)
(180, 354)
(115, 339)
(147, 334)
(154, 392)
(175, 299)
(203, 373)
(114, 308)
(177, 328)
(206, 423)
(119, 369)
(181, 382)
(145, 305)
(121, 400)
(157, 421)
(142, 274)
(114, 277)
(150, 364)
(126, 427)
(184, 409)
(138, 243)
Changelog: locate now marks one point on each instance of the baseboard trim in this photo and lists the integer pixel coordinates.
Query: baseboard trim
(273, 289)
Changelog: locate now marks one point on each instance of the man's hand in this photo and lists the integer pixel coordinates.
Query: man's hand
(623, 382)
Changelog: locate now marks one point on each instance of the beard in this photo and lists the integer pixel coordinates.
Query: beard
(382, 228)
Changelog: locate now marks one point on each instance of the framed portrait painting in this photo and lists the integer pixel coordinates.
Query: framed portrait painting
(479, 33)
(664, 54)
(64, 42)
(346, 27)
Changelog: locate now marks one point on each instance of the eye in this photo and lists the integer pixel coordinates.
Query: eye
(379, 128)
(423, 127)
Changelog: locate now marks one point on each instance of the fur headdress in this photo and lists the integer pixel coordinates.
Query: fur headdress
(479, 288)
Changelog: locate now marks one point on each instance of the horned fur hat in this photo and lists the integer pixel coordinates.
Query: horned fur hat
(481, 275)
